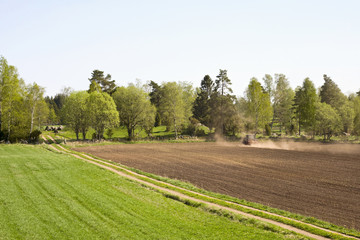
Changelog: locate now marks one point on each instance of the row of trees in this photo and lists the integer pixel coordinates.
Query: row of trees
(96, 109)
(22, 107)
(326, 111)
(132, 106)
(265, 106)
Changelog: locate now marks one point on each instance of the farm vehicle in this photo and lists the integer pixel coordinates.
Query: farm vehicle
(249, 139)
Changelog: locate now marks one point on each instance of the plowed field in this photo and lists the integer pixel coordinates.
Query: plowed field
(319, 181)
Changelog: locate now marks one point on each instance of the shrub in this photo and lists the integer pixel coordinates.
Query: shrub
(188, 130)
(34, 136)
(157, 120)
(200, 132)
(267, 130)
(110, 132)
(2, 135)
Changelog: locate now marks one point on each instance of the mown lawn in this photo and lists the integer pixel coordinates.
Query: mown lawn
(47, 195)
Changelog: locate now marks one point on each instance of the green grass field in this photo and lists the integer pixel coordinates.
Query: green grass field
(119, 133)
(47, 195)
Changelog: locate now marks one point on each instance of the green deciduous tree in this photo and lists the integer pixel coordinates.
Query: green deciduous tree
(305, 105)
(327, 120)
(135, 109)
(269, 85)
(102, 113)
(42, 114)
(52, 118)
(356, 107)
(34, 98)
(22, 108)
(283, 101)
(149, 120)
(94, 87)
(13, 114)
(76, 114)
(258, 106)
(347, 115)
(234, 123)
(172, 106)
(188, 95)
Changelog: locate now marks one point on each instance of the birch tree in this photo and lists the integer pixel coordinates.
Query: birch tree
(11, 102)
(172, 106)
(258, 104)
(34, 97)
(283, 101)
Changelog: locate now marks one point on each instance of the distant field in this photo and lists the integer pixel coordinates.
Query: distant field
(46, 195)
(119, 132)
(321, 181)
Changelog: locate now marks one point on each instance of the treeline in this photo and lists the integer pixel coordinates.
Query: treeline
(266, 106)
(23, 109)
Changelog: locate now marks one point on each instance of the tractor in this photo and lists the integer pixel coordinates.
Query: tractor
(249, 139)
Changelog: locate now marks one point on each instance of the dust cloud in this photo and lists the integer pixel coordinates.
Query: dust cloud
(339, 148)
(332, 148)
(221, 141)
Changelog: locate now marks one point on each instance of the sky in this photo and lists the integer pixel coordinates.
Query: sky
(58, 44)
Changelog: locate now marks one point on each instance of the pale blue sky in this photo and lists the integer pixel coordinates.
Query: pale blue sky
(59, 43)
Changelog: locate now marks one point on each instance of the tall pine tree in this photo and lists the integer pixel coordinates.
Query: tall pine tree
(201, 108)
(222, 102)
(107, 85)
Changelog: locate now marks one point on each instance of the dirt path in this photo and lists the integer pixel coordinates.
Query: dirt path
(110, 166)
(212, 205)
(47, 142)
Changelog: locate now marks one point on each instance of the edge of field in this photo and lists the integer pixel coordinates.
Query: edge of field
(308, 224)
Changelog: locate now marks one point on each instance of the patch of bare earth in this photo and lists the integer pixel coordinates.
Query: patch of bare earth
(316, 182)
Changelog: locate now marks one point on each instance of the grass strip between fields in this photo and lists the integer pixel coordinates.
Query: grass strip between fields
(232, 216)
(227, 214)
(298, 221)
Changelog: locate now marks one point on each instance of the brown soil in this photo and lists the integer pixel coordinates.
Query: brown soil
(317, 182)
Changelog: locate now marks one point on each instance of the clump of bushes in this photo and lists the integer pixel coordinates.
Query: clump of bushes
(193, 128)
(34, 136)
(109, 132)
(267, 130)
